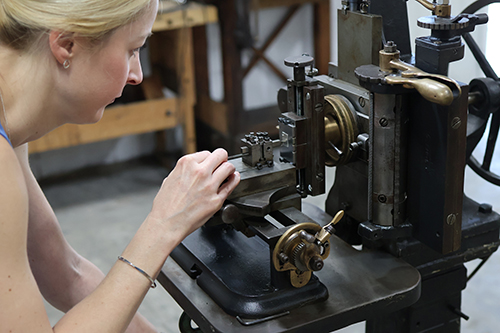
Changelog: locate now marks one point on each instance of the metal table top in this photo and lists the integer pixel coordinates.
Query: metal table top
(361, 284)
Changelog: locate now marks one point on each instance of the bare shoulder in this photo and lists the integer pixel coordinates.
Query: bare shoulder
(21, 306)
(13, 193)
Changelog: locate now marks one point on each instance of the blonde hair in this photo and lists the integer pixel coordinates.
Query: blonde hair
(23, 22)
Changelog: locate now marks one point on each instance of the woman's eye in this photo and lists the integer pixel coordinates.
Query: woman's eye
(138, 50)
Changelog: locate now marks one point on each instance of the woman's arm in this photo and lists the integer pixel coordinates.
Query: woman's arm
(194, 191)
(62, 275)
(188, 197)
(21, 305)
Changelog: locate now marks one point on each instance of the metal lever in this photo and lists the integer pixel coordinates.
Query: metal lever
(327, 231)
(433, 87)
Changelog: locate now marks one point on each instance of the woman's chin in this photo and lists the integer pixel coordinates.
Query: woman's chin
(94, 117)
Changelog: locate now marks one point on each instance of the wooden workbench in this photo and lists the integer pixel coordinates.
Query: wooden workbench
(171, 51)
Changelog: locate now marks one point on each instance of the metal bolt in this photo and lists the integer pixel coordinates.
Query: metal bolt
(283, 257)
(310, 188)
(308, 96)
(320, 177)
(383, 122)
(485, 208)
(316, 263)
(451, 219)
(390, 47)
(318, 107)
(456, 122)
(382, 198)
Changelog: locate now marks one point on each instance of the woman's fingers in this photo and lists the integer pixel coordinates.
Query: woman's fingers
(215, 159)
(223, 171)
(232, 181)
(200, 156)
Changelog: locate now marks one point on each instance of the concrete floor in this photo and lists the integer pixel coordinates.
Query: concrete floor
(100, 213)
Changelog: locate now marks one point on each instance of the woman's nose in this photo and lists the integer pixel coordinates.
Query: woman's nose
(135, 75)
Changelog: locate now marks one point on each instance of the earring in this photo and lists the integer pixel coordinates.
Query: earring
(66, 64)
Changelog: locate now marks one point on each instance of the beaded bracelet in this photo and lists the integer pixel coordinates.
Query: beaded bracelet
(153, 283)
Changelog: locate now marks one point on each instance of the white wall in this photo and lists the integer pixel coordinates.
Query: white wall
(260, 85)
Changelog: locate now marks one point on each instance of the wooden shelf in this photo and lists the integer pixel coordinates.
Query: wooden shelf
(118, 121)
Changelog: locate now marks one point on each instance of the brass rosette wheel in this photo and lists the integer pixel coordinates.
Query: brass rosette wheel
(300, 257)
(341, 129)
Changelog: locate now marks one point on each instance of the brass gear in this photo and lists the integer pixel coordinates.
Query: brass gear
(341, 129)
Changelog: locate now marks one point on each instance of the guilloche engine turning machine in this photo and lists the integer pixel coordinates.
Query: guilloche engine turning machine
(390, 246)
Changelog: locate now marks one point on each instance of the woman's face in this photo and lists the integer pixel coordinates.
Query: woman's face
(99, 75)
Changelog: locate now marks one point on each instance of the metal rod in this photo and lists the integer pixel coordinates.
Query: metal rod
(492, 139)
(479, 56)
(478, 268)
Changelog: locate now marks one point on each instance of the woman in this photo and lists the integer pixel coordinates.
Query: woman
(63, 61)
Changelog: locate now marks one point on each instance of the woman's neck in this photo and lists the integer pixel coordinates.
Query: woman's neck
(28, 94)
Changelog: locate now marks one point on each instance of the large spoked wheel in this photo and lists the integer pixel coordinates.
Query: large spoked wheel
(489, 90)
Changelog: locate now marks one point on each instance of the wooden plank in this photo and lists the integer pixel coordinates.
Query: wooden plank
(191, 15)
(280, 3)
(117, 121)
(200, 49)
(186, 81)
(322, 36)
(212, 113)
(233, 73)
(151, 86)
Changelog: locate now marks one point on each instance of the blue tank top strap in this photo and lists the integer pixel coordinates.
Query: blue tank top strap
(2, 133)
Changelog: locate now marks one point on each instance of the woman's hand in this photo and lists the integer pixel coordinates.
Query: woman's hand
(195, 189)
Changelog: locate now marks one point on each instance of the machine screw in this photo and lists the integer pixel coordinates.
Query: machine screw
(320, 177)
(345, 205)
(362, 102)
(308, 96)
(451, 219)
(382, 198)
(456, 122)
(383, 122)
(310, 188)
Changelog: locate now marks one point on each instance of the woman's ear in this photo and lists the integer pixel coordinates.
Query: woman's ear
(61, 45)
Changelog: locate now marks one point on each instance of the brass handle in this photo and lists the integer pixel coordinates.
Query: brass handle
(427, 5)
(431, 90)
